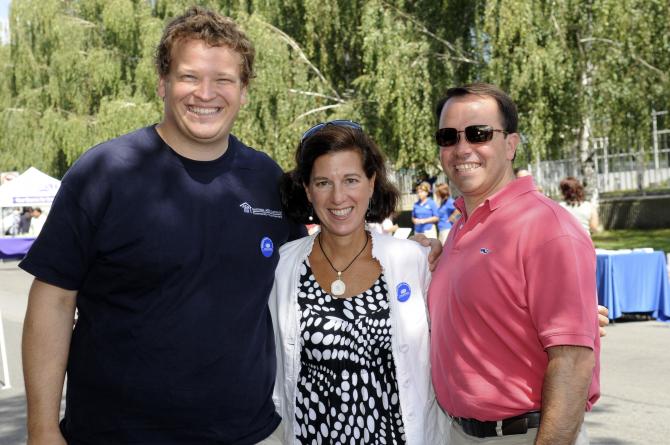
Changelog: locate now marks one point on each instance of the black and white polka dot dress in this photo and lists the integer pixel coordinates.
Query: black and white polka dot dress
(347, 389)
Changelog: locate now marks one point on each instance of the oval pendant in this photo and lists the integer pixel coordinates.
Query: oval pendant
(337, 287)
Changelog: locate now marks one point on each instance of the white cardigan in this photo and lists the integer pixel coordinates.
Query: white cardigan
(405, 267)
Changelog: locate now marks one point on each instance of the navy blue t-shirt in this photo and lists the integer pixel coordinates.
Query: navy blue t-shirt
(173, 260)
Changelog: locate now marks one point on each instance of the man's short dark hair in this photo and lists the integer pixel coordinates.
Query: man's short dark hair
(332, 139)
(506, 106)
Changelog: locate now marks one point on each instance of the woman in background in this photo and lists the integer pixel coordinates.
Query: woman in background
(573, 200)
(447, 212)
(424, 213)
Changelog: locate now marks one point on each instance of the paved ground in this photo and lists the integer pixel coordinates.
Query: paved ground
(14, 285)
(634, 408)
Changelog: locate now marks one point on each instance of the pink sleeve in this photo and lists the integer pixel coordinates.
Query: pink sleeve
(561, 292)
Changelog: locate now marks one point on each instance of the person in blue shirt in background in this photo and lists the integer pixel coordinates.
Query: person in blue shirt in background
(446, 211)
(424, 213)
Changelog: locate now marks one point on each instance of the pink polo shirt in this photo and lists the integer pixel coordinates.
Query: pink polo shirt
(517, 276)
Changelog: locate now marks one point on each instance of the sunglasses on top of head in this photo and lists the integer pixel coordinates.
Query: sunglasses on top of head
(475, 134)
(337, 122)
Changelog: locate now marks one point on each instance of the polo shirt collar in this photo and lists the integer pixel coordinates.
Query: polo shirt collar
(506, 194)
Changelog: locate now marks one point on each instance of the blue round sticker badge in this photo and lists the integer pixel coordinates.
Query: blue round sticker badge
(267, 247)
(403, 292)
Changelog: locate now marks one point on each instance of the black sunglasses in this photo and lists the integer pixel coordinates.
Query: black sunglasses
(337, 122)
(475, 134)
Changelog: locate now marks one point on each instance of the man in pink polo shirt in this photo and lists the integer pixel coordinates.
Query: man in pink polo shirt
(515, 345)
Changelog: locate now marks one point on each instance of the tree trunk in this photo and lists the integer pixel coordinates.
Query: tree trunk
(586, 152)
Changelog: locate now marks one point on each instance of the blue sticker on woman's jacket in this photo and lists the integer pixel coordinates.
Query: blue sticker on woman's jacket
(267, 247)
(403, 292)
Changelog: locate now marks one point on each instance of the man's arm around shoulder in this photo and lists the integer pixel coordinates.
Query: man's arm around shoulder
(47, 331)
(564, 394)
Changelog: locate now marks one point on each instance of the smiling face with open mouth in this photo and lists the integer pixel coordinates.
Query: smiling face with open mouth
(339, 192)
(202, 95)
(478, 170)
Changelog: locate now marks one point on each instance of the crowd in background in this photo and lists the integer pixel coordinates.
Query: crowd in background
(24, 221)
(434, 212)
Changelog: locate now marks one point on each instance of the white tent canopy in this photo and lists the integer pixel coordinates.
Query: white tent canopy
(32, 188)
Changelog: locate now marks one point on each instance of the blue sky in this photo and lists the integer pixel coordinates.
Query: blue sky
(4, 13)
(4, 8)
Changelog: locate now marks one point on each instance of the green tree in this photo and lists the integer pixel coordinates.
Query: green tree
(578, 70)
(72, 67)
(77, 72)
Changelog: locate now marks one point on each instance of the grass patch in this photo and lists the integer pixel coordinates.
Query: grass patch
(659, 239)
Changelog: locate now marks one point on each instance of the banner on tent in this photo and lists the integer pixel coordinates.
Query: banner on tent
(32, 188)
(29, 200)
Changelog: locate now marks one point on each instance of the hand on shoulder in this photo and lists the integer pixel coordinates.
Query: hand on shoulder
(435, 249)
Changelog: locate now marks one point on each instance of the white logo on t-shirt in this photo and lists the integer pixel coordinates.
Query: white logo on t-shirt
(247, 208)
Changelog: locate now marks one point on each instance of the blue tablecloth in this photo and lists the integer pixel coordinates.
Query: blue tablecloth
(15, 247)
(634, 282)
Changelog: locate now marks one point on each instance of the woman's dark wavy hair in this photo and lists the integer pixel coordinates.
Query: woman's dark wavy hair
(572, 190)
(330, 139)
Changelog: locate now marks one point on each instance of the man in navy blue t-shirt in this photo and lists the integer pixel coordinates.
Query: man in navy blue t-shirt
(165, 240)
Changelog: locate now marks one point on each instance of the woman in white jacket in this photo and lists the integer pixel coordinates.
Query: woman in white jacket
(348, 306)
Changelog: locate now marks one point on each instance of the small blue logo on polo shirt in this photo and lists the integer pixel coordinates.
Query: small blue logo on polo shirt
(403, 292)
(267, 247)
(484, 250)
